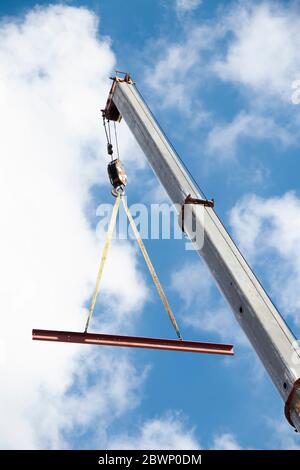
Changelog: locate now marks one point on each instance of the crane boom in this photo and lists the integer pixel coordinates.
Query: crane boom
(268, 333)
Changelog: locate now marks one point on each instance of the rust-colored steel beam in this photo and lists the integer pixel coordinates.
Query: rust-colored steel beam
(132, 342)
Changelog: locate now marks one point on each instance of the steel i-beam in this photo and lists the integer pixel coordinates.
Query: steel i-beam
(132, 342)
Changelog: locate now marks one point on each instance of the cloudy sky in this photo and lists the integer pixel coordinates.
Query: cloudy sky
(221, 77)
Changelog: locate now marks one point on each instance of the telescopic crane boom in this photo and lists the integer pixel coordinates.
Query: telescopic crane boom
(268, 333)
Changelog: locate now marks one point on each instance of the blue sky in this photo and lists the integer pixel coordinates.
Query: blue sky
(221, 89)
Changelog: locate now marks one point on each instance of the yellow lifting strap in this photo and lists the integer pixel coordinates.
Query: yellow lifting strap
(146, 257)
(152, 270)
(109, 235)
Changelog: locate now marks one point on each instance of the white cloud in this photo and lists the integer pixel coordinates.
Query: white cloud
(225, 441)
(254, 46)
(268, 232)
(264, 52)
(168, 432)
(222, 140)
(249, 44)
(283, 435)
(106, 385)
(203, 308)
(184, 6)
(175, 64)
(54, 72)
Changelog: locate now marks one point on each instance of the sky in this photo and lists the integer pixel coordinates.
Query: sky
(220, 77)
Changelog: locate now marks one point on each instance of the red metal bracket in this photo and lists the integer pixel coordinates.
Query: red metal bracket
(133, 342)
(204, 202)
(192, 200)
(287, 409)
(111, 112)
